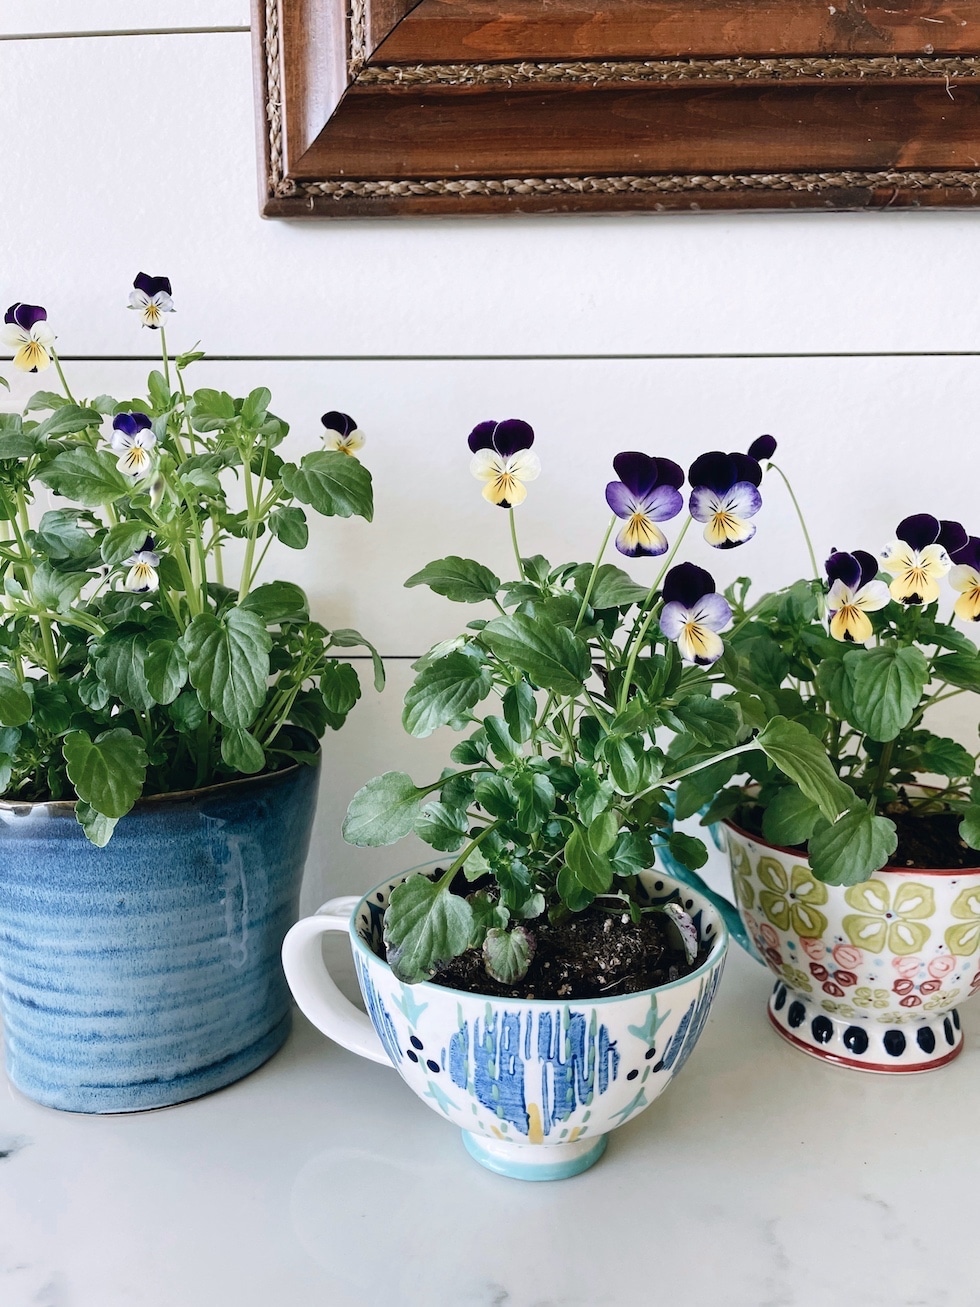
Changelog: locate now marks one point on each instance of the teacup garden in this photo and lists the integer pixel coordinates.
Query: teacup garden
(160, 712)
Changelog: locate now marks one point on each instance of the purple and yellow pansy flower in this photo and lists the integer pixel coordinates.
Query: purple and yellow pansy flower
(853, 594)
(964, 576)
(920, 556)
(151, 297)
(27, 332)
(341, 433)
(647, 492)
(693, 614)
(133, 440)
(724, 495)
(142, 575)
(502, 458)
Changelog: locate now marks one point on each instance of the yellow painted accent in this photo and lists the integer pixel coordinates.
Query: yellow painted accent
(574, 1134)
(498, 1133)
(535, 1135)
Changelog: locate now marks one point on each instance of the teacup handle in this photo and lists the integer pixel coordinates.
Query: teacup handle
(314, 990)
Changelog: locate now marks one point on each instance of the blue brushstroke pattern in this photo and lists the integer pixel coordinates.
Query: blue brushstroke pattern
(379, 1014)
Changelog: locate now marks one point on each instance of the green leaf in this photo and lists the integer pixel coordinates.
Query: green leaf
(698, 789)
(520, 711)
(98, 828)
(535, 800)
(348, 638)
(67, 419)
(16, 703)
(186, 712)
(61, 536)
(17, 444)
(425, 928)
(960, 669)
(592, 796)
(383, 810)
(603, 830)
(443, 693)
(277, 602)
(241, 751)
(89, 476)
(213, 409)
(476, 866)
(459, 579)
(340, 686)
(632, 853)
(834, 685)
(804, 760)
(613, 587)
(886, 686)
(507, 954)
(575, 896)
(56, 590)
(107, 772)
(709, 721)
(591, 870)
(122, 541)
(158, 390)
(54, 704)
(333, 484)
(255, 406)
(496, 795)
(790, 817)
(165, 668)
(487, 915)
(624, 765)
(442, 827)
(970, 826)
(689, 851)
(228, 663)
(551, 656)
(503, 746)
(945, 757)
(120, 662)
(289, 526)
(853, 848)
(46, 399)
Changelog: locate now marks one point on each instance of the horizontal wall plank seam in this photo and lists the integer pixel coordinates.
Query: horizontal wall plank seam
(135, 31)
(535, 358)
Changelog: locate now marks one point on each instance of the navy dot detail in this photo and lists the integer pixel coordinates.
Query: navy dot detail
(956, 1018)
(381, 898)
(651, 1052)
(689, 903)
(779, 1002)
(948, 1032)
(433, 1066)
(823, 1029)
(659, 1066)
(856, 1040)
(415, 1041)
(412, 1054)
(631, 1075)
(796, 1014)
(658, 884)
(925, 1037)
(894, 1042)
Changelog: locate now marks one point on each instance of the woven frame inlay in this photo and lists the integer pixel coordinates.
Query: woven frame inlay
(740, 69)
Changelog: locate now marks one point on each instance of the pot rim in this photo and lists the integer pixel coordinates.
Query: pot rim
(888, 867)
(66, 807)
(714, 959)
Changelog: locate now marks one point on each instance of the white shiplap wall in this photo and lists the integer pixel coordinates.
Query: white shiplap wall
(136, 151)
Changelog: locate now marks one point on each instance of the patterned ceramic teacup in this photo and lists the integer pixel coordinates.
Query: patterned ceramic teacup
(867, 975)
(534, 1084)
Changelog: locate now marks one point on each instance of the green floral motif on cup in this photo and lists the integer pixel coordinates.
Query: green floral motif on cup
(790, 901)
(742, 876)
(941, 1000)
(838, 1009)
(865, 997)
(884, 921)
(795, 978)
(964, 938)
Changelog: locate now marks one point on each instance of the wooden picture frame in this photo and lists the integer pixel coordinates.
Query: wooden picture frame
(410, 107)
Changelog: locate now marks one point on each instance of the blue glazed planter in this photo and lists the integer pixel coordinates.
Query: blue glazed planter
(147, 973)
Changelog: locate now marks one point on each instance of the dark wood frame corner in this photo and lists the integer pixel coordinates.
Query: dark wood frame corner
(401, 107)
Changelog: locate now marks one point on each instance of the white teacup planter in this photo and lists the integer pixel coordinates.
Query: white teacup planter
(534, 1084)
(868, 975)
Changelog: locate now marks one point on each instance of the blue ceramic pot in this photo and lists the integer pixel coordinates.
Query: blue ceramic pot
(148, 972)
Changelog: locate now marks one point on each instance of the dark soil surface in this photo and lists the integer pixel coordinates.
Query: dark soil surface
(592, 954)
(927, 840)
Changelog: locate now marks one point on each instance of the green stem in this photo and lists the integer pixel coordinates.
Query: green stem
(698, 766)
(881, 773)
(635, 641)
(513, 538)
(473, 844)
(802, 521)
(166, 360)
(61, 377)
(21, 525)
(595, 572)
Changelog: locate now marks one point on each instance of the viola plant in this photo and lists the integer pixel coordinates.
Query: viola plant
(132, 661)
(588, 701)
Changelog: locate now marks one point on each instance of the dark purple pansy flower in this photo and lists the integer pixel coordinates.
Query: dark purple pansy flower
(501, 459)
(693, 614)
(965, 577)
(920, 556)
(342, 433)
(151, 297)
(724, 495)
(854, 593)
(27, 332)
(647, 492)
(133, 440)
(762, 447)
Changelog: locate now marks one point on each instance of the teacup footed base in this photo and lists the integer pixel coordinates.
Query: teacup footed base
(534, 1161)
(864, 1045)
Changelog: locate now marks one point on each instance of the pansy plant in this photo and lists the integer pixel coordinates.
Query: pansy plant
(132, 661)
(590, 699)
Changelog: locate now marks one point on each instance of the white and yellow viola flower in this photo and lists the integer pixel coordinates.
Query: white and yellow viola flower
(646, 493)
(724, 495)
(341, 433)
(502, 459)
(854, 593)
(142, 575)
(151, 298)
(964, 576)
(27, 332)
(133, 440)
(920, 556)
(693, 614)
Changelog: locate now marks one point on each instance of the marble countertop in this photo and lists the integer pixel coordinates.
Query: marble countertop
(761, 1179)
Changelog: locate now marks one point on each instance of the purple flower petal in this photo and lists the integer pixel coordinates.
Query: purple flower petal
(714, 470)
(619, 499)
(481, 437)
(638, 472)
(703, 503)
(151, 286)
(672, 618)
(130, 423)
(743, 500)
(713, 611)
(952, 536)
(25, 315)
(746, 469)
(669, 473)
(342, 423)
(662, 503)
(845, 567)
(512, 435)
(868, 564)
(969, 554)
(919, 530)
(686, 584)
(762, 447)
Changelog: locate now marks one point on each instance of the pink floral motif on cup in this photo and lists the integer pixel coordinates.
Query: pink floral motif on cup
(814, 948)
(907, 967)
(941, 966)
(848, 957)
(845, 978)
